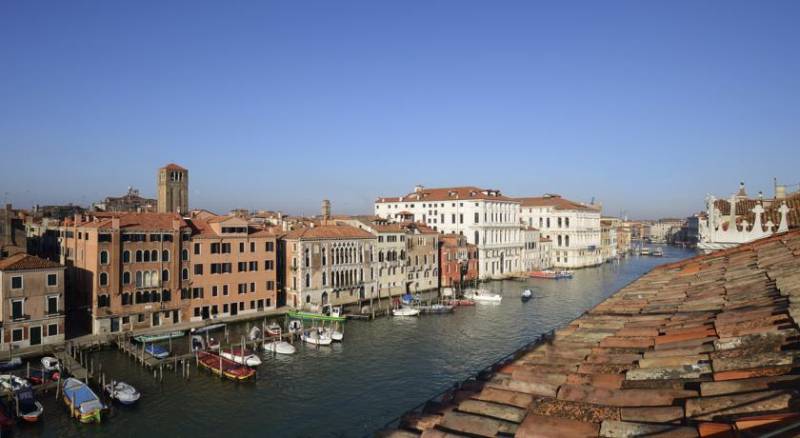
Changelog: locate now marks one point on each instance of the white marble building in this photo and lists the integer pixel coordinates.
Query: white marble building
(486, 217)
(574, 229)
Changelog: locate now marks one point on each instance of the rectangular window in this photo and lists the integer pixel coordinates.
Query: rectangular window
(196, 311)
(242, 267)
(215, 248)
(104, 237)
(477, 217)
(252, 287)
(269, 265)
(269, 302)
(16, 282)
(196, 249)
(269, 247)
(17, 309)
(252, 266)
(213, 291)
(226, 248)
(225, 290)
(198, 269)
(225, 308)
(52, 329)
(241, 246)
(242, 288)
(52, 305)
(270, 285)
(16, 335)
(252, 247)
(52, 279)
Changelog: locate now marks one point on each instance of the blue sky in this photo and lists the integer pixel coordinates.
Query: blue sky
(645, 106)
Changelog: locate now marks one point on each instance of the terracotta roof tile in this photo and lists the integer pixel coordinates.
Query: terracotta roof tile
(328, 232)
(449, 194)
(557, 202)
(20, 262)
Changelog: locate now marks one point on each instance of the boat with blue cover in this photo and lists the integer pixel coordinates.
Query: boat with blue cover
(82, 402)
(156, 351)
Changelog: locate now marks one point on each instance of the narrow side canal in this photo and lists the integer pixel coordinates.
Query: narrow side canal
(382, 368)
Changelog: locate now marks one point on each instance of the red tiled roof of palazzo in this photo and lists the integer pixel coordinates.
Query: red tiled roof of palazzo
(133, 221)
(328, 232)
(557, 202)
(464, 193)
(705, 345)
(21, 262)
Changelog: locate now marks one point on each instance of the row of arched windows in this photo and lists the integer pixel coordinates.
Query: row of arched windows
(141, 256)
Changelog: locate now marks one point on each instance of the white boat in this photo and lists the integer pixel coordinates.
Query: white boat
(526, 294)
(50, 364)
(335, 335)
(199, 343)
(255, 333)
(658, 252)
(481, 295)
(313, 336)
(122, 392)
(295, 326)
(280, 347)
(12, 383)
(249, 358)
(274, 329)
(405, 311)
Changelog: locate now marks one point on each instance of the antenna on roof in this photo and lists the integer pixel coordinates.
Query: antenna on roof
(592, 202)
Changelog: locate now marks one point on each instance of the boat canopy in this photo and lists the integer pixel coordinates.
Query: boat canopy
(25, 399)
(81, 396)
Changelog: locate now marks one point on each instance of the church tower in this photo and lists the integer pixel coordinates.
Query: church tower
(173, 189)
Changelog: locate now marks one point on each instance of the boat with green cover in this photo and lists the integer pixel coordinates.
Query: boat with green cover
(314, 316)
(159, 337)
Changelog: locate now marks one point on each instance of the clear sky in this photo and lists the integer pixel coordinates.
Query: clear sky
(646, 106)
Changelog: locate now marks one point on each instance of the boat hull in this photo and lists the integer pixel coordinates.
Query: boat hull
(224, 367)
(280, 347)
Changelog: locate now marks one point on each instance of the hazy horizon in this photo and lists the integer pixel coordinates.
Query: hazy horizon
(644, 107)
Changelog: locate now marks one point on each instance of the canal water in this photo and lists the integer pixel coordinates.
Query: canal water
(382, 369)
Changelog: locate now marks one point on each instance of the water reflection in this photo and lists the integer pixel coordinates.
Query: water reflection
(383, 368)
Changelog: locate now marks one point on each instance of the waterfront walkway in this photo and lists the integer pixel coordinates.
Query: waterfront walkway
(703, 347)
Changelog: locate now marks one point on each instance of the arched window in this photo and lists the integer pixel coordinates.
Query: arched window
(477, 238)
(185, 274)
(103, 257)
(147, 256)
(103, 279)
(146, 297)
(102, 301)
(184, 254)
(566, 240)
(155, 297)
(380, 256)
(324, 279)
(308, 280)
(139, 297)
(165, 275)
(165, 255)
(306, 258)
(126, 256)
(324, 260)
(559, 240)
(308, 298)
(139, 280)
(154, 255)
(147, 279)
(138, 255)
(126, 277)
(126, 299)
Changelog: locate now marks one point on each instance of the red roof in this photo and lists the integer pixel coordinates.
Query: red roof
(449, 194)
(173, 166)
(20, 262)
(557, 202)
(329, 232)
(133, 221)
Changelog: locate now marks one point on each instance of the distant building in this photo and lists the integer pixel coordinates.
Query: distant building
(42, 237)
(130, 202)
(173, 189)
(664, 230)
(56, 212)
(458, 261)
(608, 239)
(32, 297)
(391, 248)
(12, 232)
(622, 238)
(486, 217)
(573, 227)
(422, 268)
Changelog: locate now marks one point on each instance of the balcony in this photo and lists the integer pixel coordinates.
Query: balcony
(16, 318)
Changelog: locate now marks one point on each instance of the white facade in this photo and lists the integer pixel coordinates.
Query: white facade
(535, 252)
(487, 219)
(573, 228)
(721, 232)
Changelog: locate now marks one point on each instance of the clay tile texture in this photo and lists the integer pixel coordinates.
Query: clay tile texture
(708, 346)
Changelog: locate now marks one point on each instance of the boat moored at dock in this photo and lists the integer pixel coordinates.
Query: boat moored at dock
(240, 356)
(82, 402)
(122, 392)
(28, 408)
(156, 351)
(483, 296)
(224, 367)
(280, 347)
(159, 337)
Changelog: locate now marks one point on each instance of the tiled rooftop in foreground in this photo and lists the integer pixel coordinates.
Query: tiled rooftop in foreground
(704, 347)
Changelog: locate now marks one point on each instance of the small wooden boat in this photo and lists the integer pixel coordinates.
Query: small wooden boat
(13, 363)
(527, 294)
(159, 337)
(314, 337)
(83, 403)
(122, 392)
(544, 274)
(156, 351)
(27, 406)
(280, 347)
(483, 296)
(50, 363)
(405, 311)
(224, 367)
(236, 354)
(12, 383)
(463, 302)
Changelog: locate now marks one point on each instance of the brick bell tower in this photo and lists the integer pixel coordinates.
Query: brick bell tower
(173, 189)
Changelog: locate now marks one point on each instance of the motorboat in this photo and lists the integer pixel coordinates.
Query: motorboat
(544, 274)
(156, 351)
(644, 251)
(280, 347)
(527, 294)
(314, 337)
(334, 334)
(564, 274)
(241, 356)
(208, 328)
(274, 329)
(255, 333)
(83, 403)
(13, 363)
(295, 326)
(28, 407)
(122, 392)
(658, 252)
(146, 339)
(463, 302)
(224, 367)
(484, 296)
(200, 343)
(50, 363)
(405, 311)
(12, 383)
(437, 308)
